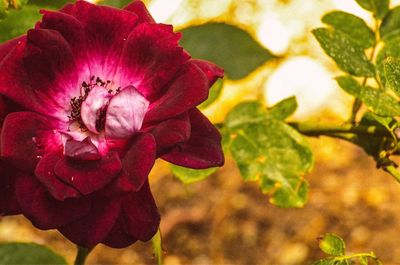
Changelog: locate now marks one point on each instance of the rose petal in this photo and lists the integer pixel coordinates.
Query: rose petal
(69, 27)
(141, 215)
(88, 176)
(95, 102)
(125, 113)
(212, 71)
(26, 137)
(96, 225)
(150, 59)
(8, 200)
(105, 37)
(49, 64)
(139, 160)
(44, 211)
(171, 132)
(188, 90)
(46, 175)
(141, 11)
(118, 237)
(81, 150)
(203, 150)
(8, 46)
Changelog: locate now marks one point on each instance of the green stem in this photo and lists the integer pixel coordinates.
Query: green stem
(312, 129)
(81, 255)
(394, 172)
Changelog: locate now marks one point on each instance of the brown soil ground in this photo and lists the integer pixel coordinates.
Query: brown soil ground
(223, 220)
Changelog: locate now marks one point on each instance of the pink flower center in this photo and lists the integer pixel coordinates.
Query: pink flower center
(103, 109)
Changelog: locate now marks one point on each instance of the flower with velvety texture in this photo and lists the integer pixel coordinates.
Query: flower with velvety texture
(96, 94)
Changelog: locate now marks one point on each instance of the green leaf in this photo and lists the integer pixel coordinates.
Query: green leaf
(28, 253)
(390, 27)
(115, 3)
(283, 109)
(3, 9)
(377, 100)
(378, 7)
(348, 55)
(215, 91)
(226, 45)
(18, 22)
(157, 247)
(270, 152)
(332, 244)
(188, 175)
(352, 26)
(390, 48)
(392, 72)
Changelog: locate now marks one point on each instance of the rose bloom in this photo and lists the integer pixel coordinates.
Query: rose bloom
(90, 98)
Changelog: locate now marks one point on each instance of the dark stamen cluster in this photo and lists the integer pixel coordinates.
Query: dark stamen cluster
(76, 102)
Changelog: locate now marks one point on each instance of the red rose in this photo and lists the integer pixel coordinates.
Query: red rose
(98, 94)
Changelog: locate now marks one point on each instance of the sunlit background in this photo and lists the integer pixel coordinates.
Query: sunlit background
(223, 220)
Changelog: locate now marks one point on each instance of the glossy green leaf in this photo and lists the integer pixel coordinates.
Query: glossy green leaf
(228, 46)
(348, 55)
(188, 175)
(115, 3)
(377, 100)
(270, 152)
(378, 7)
(390, 27)
(214, 93)
(352, 26)
(283, 109)
(28, 253)
(392, 73)
(332, 244)
(18, 22)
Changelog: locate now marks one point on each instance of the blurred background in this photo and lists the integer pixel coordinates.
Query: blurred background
(223, 220)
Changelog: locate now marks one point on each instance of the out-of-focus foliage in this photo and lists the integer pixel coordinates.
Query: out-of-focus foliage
(115, 3)
(335, 247)
(29, 254)
(188, 175)
(226, 45)
(378, 7)
(16, 21)
(269, 151)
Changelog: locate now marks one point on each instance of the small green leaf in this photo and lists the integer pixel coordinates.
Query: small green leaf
(28, 253)
(392, 72)
(226, 45)
(270, 152)
(188, 175)
(115, 3)
(377, 100)
(378, 7)
(348, 55)
(157, 247)
(390, 27)
(215, 91)
(350, 85)
(283, 109)
(332, 244)
(352, 26)
(14, 25)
